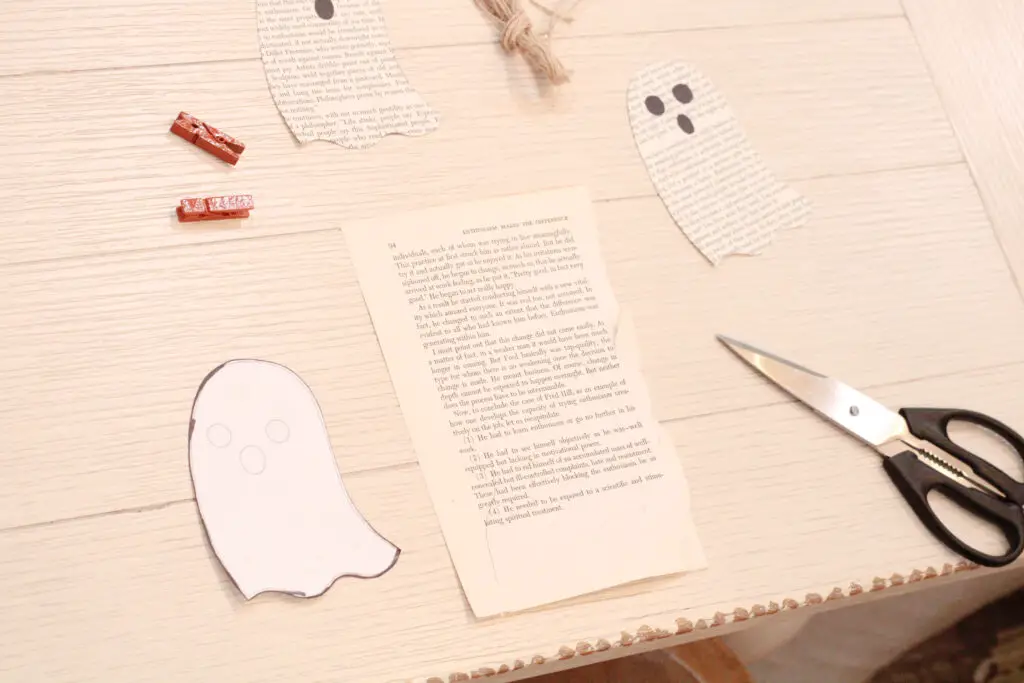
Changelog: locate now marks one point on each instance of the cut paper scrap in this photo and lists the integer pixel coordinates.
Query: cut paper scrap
(714, 184)
(268, 488)
(333, 74)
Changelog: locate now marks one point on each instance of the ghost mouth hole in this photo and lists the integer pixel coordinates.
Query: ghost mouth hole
(324, 9)
(253, 459)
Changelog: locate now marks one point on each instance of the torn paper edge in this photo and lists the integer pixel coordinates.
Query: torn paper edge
(298, 100)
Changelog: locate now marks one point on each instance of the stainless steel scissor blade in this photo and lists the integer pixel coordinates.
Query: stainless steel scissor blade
(859, 415)
(918, 454)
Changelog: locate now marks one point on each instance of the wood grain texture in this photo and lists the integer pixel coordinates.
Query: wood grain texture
(104, 174)
(133, 334)
(702, 661)
(113, 312)
(712, 660)
(125, 33)
(977, 60)
(141, 595)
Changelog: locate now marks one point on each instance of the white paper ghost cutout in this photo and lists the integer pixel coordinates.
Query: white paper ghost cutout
(714, 184)
(333, 74)
(268, 488)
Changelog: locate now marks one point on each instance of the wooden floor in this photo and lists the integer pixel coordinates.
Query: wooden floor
(900, 122)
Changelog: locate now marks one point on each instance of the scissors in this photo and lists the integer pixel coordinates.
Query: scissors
(916, 451)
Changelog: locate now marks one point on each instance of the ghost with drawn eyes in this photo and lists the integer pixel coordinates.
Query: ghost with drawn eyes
(333, 74)
(268, 489)
(714, 184)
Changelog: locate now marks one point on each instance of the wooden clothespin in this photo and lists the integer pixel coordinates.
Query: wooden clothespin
(215, 208)
(206, 137)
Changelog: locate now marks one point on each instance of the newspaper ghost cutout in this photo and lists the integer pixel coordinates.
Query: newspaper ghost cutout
(268, 488)
(333, 74)
(714, 184)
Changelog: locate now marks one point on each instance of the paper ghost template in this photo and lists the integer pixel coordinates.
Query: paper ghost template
(268, 488)
(714, 184)
(333, 74)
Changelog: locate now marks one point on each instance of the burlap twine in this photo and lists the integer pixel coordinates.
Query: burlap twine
(518, 34)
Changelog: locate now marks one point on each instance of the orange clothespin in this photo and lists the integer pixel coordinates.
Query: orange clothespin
(205, 136)
(215, 208)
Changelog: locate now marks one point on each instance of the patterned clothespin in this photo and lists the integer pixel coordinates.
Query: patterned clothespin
(215, 208)
(206, 137)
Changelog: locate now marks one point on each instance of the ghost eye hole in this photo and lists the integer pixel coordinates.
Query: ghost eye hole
(655, 105)
(219, 435)
(278, 431)
(683, 93)
(324, 9)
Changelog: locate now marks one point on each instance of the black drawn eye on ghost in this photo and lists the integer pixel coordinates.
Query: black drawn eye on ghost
(683, 95)
(324, 9)
(688, 172)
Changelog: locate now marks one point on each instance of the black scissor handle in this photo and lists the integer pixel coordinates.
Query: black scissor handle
(914, 479)
(932, 424)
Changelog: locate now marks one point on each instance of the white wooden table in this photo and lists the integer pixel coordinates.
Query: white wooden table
(112, 312)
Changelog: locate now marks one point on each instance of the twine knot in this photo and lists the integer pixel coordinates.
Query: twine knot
(517, 34)
(518, 28)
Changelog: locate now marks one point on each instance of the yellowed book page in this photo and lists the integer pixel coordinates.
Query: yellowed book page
(533, 428)
(333, 74)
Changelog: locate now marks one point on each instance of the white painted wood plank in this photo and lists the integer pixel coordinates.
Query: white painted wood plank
(861, 290)
(104, 174)
(786, 506)
(897, 276)
(977, 60)
(101, 355)
(74, 36)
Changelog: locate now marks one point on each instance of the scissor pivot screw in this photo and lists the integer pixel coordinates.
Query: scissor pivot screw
(854, 410)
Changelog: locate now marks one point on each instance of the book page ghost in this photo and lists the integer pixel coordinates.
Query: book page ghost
(532, 424)
(333, 74)
(714, 184)
(272, 501)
